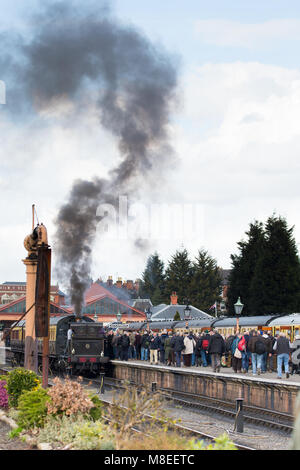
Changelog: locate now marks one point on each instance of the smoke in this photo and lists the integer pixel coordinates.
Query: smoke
(70, 53)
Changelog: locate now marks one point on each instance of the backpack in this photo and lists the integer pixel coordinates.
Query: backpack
(228, 343)
(260, 347)
(242, 344)
(205, 343)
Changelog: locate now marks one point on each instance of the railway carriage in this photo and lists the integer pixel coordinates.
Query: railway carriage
(289, 324)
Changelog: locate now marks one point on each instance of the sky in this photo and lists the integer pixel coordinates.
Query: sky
(235, 130)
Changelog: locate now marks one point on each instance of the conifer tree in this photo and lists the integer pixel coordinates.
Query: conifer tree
(178, 276)
(243, 267)
(206, 281)
(266, 272)
(275, 286)
(153, 280)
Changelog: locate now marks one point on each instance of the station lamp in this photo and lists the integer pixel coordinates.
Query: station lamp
(187, 314)
(148, 316)
(238, 308)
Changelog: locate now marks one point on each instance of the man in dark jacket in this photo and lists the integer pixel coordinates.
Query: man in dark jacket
(154, 347)
(268, 343)
(124, 343)
(137, 344)
(177, 344)
(145, 341)
(257, 347)
(282, 347)
(216, 348)
(163, 336)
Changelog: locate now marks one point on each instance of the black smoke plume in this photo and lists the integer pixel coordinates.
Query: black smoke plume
(72, 52)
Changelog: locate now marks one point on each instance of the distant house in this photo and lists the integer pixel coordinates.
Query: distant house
(164, 312)
(104, 306)
(10, 291)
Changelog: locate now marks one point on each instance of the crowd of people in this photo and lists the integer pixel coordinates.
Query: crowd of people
(252, 351)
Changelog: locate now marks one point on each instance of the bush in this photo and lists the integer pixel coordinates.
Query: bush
(68, 398)
(76, 432)
(18, 381)
(3, 395)
(97, 410)
(32, 408)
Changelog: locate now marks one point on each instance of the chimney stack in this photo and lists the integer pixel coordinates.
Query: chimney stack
(174, 298)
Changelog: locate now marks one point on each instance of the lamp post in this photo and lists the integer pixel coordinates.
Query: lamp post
(148, 316)
(119, 316)
(187, 314)
(238, 308)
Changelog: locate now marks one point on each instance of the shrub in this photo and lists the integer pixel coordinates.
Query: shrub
(137, 408)
(97, 410)
(32, 408)
(68, 398)
(76, 432)
(221, 443)
(3, 395)
(18, 381)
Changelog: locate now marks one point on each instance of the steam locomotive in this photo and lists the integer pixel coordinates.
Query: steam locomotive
(83, 354)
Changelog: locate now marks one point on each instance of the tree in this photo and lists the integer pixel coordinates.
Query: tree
(177, 316)
(153, 280)
(266, 272)
(243, 267)
(206, 281)
(275, 285)
(178, 276)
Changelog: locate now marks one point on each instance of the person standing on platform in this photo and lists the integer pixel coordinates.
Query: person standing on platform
(115, 346)
(282, 347)
(178, 345)
(137, 345)
(204, 342)
(216, 348)
(236, 351)
(108, 342)
(268, 343)
(132, 353)
(163, 336)
(246, 354)
(145, 341)
(189, 344)
(257, 348)
(168, 350)
(124, 346)
(155, 343)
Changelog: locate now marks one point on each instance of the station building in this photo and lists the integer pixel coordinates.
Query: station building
(11, 291)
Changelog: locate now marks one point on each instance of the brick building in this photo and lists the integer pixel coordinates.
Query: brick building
(11, 291)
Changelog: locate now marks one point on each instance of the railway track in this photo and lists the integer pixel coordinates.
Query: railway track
(257, 416)
(184, 430)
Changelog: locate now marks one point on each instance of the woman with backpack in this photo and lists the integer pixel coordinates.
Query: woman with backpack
(237, 346)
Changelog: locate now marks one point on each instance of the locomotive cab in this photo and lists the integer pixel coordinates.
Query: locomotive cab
(87, 344)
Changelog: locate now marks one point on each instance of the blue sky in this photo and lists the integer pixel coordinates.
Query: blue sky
(236, 131)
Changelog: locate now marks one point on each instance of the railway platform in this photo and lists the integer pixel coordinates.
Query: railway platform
(264, 391)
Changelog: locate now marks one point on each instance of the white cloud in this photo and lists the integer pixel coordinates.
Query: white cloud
(240, 146)
(235, 34)
(238, 143)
